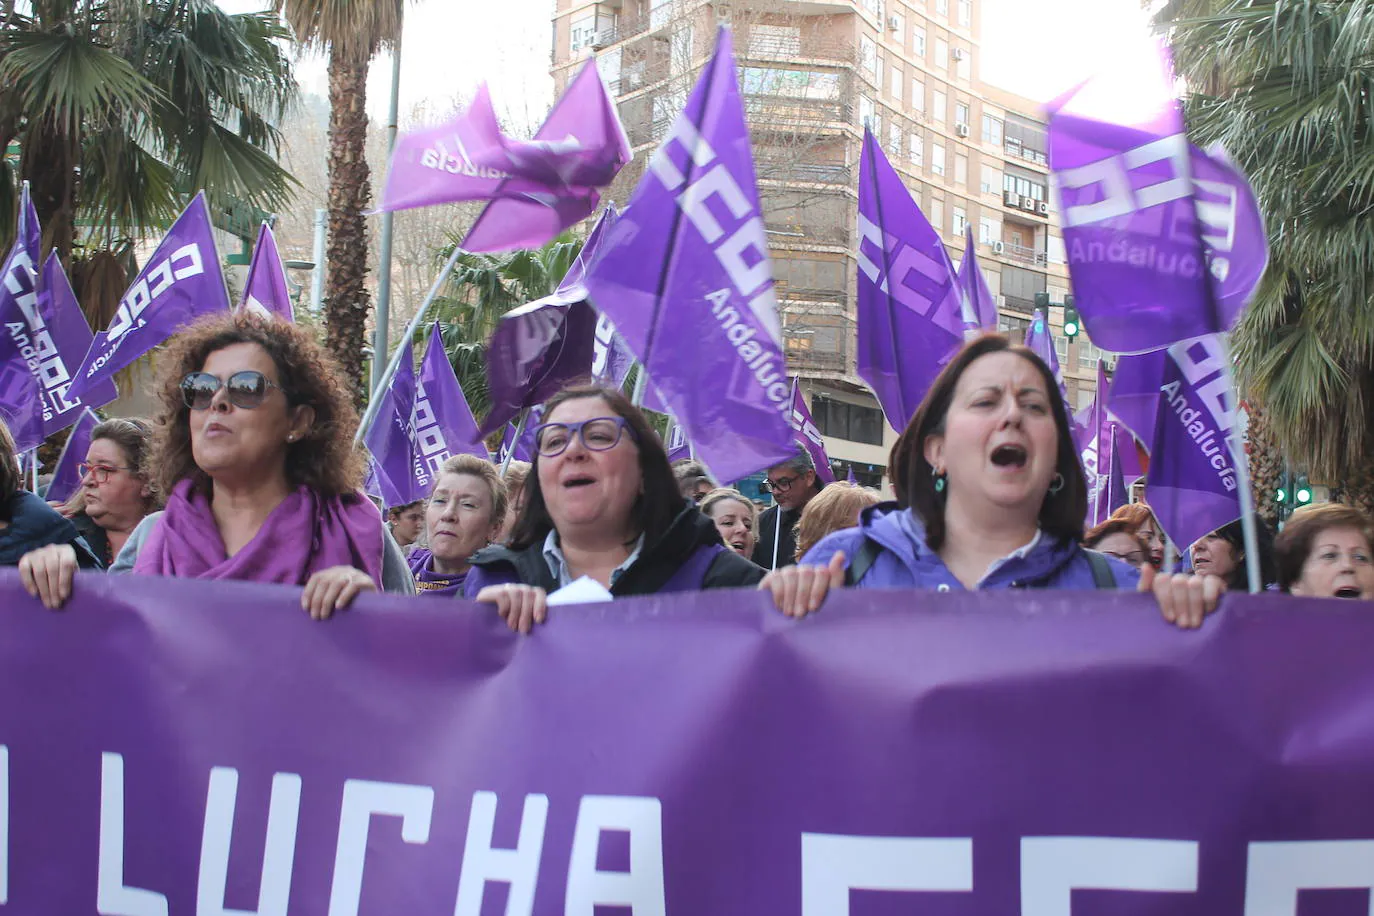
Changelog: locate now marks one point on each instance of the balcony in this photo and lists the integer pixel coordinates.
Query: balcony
(1025, 203)
(767, 112)
(796, 50)
(1014, 148)
(1023, 254)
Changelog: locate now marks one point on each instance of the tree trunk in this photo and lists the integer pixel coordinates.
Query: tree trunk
(1266, 462)
(48, 161)
(350, 191)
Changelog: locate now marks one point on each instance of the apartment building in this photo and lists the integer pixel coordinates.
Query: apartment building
(813, 72)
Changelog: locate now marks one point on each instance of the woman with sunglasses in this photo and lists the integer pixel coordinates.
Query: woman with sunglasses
(254, 453)
(601, 501)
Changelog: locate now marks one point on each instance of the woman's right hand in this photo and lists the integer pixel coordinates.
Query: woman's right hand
(520, 606)
(47, 574)
(799, 590)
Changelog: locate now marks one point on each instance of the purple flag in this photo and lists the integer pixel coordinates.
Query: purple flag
(66, 479)
(27, 345)
(443, 422)
(265, 291)
(1164, 241)
(1192, 484)
(524, 446)
(1040, 338)
(71, 335)
(677, 446)
(979, 307)
(542, 346)
(910, 310)
(1094, 448)
(181, 282)
(390, 438)
(185, 746)
(372, 484)
(686, 278)
(611, 359)
(850, 478)
(1118, 493)
(809, 436)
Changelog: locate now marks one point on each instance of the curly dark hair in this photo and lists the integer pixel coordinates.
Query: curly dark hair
(324, 459)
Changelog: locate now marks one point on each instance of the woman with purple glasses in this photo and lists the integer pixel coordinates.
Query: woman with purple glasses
(601, 501)
(254, 454)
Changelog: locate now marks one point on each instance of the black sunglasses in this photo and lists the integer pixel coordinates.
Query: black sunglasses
(246, 389)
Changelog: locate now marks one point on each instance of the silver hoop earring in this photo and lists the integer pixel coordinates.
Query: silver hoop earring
(1057, 483)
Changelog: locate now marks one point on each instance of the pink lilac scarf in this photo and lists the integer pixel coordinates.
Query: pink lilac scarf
(303, 535)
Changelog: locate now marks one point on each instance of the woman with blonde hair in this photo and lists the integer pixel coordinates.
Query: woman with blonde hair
(837, 507)
(463, 514)
(735, 517)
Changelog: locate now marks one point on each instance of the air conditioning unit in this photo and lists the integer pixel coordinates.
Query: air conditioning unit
(961, 129)
(1042, 207)
(894, 24)
(999, 246)
(1028, 204)
(957, 53)
(1011, 199)
(602, 40)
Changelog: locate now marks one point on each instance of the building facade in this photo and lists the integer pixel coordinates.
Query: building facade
(813, 72)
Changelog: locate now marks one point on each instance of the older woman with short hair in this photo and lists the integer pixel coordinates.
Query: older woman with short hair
(1326, 551)
(463, 514)
(835, 508)
(254, 453)
(990, 495)
(115, 493)
(601, 502)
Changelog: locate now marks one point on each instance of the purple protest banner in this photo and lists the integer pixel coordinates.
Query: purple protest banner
(540, 347)
(1192, 484)
(808, 436)
(180, 282)
(66, 477)
(205, 747)
(979, 306)
(686, 278)
(1164, 241)
(265, 292)
(910, 311)
(60, 311)
(23, 351)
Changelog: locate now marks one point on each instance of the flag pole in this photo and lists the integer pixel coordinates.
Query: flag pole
(374, 403)
(641, 378)
(515, 440)
(1249, 531)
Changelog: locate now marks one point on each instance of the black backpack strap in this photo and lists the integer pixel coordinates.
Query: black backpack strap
(862, 561)
(1103, 575)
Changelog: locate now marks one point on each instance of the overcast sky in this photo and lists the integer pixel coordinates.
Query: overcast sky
(1037, 48)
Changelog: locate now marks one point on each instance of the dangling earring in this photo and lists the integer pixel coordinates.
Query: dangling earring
(1057, 484)
(940, 482)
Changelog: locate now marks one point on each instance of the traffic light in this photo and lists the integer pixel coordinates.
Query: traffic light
(1302, 491)
(1042, 301)
(1071, 322)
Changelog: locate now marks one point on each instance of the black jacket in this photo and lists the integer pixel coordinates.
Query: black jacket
(94, 536)
(33, 524)
(787, 539)
(656, 564)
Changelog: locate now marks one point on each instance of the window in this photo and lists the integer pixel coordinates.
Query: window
(867, 113)
(917, 152)
(797, 84)
(918, 41)
(959, 222)
(960, 113)
(868, 56)
(583, 31)
(918, 95)
(992, 129)
(894, 138)
(942, 7)
(991, 180)
(960, 169)
(896, 81)
(938, 109)
(963, 63)
(897, 26)
(1088, 355)
(937, 158)
(1015, 328)
(608, 63)
(941, 53)
(1020, 184)
(874, 7)
(966, 12)
(775, 41)
(847, 421)
(937, 214)
(796, 275)
(989, 231)
(1055, 252)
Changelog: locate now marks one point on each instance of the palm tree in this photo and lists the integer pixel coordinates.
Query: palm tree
(1287, 87)
(123, 108)
(353, 31)
(484, 287)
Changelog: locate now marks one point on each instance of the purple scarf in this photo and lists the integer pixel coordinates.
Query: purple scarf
(303, 535)
(430, 583)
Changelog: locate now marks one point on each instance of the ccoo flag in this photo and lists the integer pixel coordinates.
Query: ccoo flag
(27, 345)
(910, 310)
(66, 479)
(1095, 448)
(1040, 338)
(809, 436)
(686, 278)
(265, 292)
(1164, 241)
(1192, 484)
(389, 437)
(979, 307)
(541, 346)
(61, 315)
(181, 282)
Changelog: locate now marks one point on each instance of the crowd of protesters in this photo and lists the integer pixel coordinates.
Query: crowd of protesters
(249, 472)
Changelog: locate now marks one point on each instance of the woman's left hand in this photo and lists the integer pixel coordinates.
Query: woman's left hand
(334, 589)
(1184, 599)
